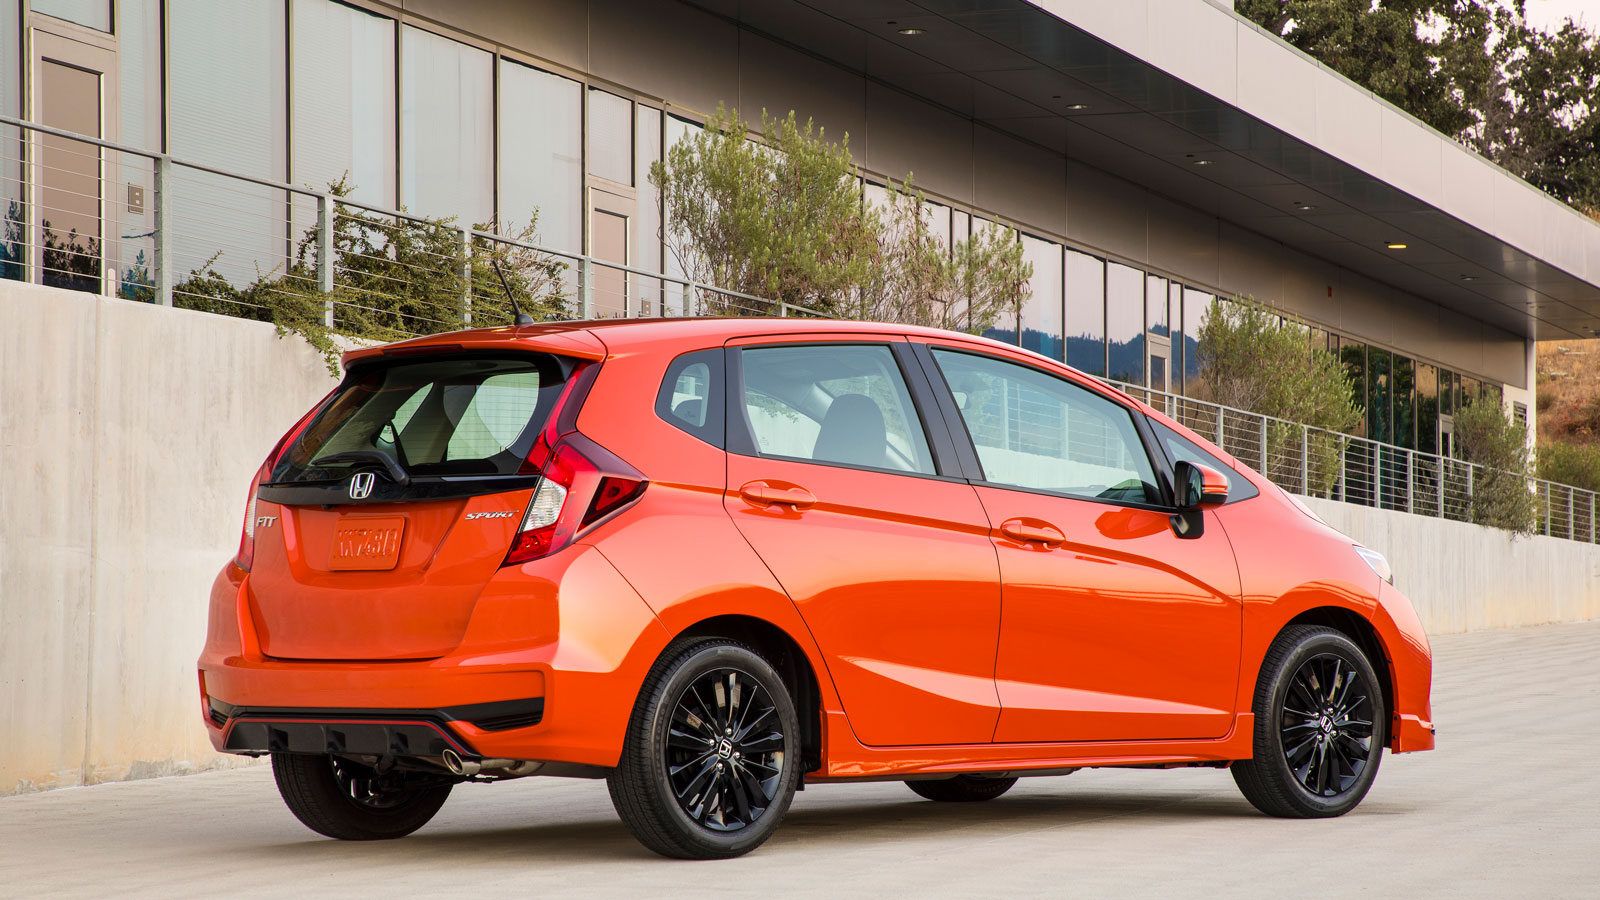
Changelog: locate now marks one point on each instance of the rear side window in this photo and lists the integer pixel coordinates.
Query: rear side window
(450, 417)
(845, 404)
(1180, 449)
(691, 395)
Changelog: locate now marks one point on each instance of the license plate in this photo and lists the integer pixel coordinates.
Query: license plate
(370, 543)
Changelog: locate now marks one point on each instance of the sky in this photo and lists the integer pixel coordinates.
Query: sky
(1549, 15)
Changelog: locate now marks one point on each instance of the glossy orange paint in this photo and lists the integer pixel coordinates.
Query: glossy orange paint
(948, 626)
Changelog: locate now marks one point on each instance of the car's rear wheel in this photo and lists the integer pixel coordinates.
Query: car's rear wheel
(711, 757)
(962, 788)
(1319, 727)
(344, 799)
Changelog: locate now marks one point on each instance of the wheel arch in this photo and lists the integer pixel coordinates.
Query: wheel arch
(1360, 629)
(785, 654)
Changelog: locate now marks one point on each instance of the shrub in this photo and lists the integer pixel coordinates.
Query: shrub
(1574, 464)
(1485, 435)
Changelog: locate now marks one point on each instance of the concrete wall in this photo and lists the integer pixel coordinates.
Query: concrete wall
(1464, 577)
(128, 435)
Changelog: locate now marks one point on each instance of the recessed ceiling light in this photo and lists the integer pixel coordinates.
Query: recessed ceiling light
(1395, 245)
(1305, 207)
(912, 31)
(1202, 162)
(1469, 278)
(1074, 107)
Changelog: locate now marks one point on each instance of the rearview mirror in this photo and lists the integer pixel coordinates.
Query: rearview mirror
(1197, 486)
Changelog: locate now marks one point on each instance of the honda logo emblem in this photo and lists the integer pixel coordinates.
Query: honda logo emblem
(361, 485)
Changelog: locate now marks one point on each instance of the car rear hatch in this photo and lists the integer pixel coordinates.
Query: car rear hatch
(398, 500)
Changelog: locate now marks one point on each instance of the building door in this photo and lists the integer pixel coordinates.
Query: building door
(611, 214)
(1447, 427)
(70, 221)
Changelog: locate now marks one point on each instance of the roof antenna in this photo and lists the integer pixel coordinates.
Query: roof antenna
(519, 317)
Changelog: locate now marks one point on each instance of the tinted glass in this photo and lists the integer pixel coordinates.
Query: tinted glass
(1041, 314)
(1037, 431)
(610, 137)
(1196, 306)
(12, 246)
(691, 395)
(845, 404)
(95, 14)
(1180, 449)
(446, 417)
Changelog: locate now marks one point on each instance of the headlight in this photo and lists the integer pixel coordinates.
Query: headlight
(1375, 560)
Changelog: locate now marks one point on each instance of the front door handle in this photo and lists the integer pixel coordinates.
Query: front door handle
(764, 495)
(1032, 531)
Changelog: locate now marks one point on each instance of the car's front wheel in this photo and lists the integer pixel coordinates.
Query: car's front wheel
(344, 799)
(1319, 727)
(711, 757)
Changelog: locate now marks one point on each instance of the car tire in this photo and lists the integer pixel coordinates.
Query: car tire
(711, 757)
(1319, 727)
(342, 799)
(961, 789)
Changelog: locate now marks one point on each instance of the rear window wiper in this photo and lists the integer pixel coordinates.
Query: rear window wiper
(391, 466)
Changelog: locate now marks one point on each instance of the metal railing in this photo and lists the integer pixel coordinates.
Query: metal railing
(1320, 463)
(88, 214)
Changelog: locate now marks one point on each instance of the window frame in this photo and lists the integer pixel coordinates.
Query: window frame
(715, 429)
(967, 450)
(740, 434)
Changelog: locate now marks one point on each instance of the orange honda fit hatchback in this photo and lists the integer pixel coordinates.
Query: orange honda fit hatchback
(709, 560)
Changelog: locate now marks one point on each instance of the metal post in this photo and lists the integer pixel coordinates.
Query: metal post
(1377, 476)
(1591, 517)
(1441, 486)
(1411, 480)
(1264, 447)
(1305, 459)
(466, 276)
(1547, 509)
(1344, 484)
(1220, 429)
(162, 264)
(1572, 514)
(325, 256)
(586, 286)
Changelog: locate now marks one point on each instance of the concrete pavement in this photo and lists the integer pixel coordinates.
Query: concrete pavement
(1509, 806)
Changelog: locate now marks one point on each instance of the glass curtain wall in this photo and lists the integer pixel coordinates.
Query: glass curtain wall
(647, 223)
(140, 113)
(541, 155)
(1125, 323)
(1196, 306)
(13, 249)
(1085, 316)
(1041, 312)
(94, 14)
(446, 127)
(229, 109)
(342, 108)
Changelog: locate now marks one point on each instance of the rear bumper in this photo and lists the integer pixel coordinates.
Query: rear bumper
(520, 686)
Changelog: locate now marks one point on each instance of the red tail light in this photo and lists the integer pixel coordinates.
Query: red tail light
(580, 484)
(247, 536)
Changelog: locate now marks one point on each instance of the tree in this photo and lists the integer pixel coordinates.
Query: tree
(917, 280)
(1500, 496)
(1473, 69)
(785, 221)
(1260, 359)
(392, 279)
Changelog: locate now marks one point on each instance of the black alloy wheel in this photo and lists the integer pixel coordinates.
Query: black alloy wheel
(1319, 727)
(709, 765)
(343, 799)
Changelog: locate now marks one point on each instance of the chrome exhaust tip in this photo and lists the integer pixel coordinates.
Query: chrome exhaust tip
(498, 767)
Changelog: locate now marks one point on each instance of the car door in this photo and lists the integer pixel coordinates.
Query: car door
(839, 478)
(1113, 628)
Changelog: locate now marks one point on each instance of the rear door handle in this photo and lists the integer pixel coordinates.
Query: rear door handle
(1032, 531)
(763, 495)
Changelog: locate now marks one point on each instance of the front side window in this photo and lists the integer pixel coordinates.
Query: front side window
(841, 404)
(1037, 431)
(1181, 449)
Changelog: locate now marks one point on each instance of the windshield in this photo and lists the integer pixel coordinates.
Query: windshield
(448, 417)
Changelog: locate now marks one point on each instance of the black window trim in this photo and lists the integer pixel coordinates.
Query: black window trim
(741, 434)
(717, 424)
(1159, 464)
(1171, 464)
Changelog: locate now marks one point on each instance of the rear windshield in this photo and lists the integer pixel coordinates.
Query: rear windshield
(450, 417)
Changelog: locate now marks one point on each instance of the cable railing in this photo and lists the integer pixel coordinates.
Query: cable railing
(1319, 463)
(92, 215)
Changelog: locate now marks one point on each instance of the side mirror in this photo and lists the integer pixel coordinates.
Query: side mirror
(1198, 486)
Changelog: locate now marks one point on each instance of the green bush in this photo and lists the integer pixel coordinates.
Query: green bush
(1501, 498)
(1574, 464)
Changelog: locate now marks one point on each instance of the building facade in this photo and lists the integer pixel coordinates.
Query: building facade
(1154, 156)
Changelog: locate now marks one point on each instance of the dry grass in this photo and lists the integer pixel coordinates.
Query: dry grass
(1569, 391)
